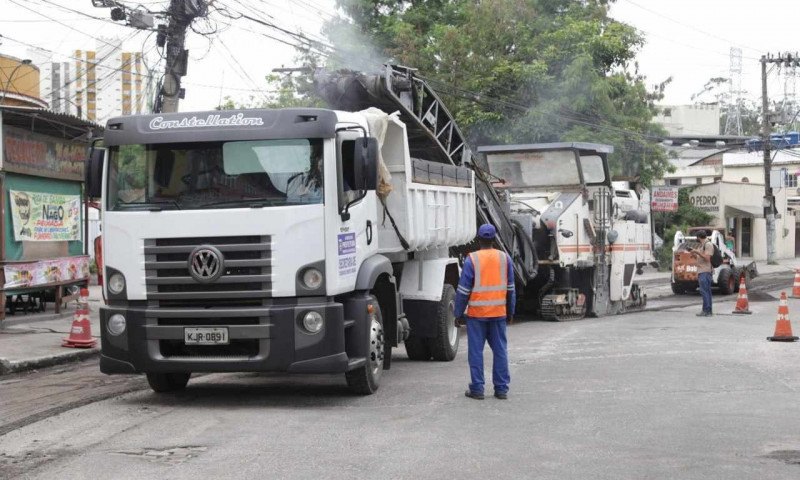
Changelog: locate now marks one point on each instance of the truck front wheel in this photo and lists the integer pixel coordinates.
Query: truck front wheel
(445, 345)
(168, 382)
(365, 380)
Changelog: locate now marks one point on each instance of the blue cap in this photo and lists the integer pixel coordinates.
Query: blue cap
(487, 231)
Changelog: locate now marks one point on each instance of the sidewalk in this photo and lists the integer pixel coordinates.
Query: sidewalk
(28, 342)
(32, 341)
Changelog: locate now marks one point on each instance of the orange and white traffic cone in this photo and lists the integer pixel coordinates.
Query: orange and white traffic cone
(783, 327)
(796, 285)
(742, 304)
(83, 299)
(80, 334)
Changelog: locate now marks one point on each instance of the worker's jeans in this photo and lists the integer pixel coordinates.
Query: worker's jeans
(704, 279)
(478, 332)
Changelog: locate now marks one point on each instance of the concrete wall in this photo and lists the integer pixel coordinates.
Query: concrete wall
(714, 198)
(689, 119)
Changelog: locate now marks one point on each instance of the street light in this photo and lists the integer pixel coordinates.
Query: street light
(26, 61)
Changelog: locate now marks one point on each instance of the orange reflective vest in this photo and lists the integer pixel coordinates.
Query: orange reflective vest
(489, 290)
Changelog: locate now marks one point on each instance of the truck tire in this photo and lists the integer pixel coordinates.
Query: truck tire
(726, 281)
(365, 380)
(677, 288)
(168, 382)
(417, 348)
(445, 346)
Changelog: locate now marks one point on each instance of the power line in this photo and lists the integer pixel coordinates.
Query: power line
(709, 34)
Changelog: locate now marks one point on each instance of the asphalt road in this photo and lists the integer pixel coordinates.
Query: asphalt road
(658, 394)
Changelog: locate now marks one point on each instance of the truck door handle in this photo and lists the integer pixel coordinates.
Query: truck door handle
(369, 232)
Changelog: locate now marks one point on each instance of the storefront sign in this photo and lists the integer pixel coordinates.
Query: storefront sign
(42, 155)
(664, 199)
(41, 217)
(21, 275)
(705, 202)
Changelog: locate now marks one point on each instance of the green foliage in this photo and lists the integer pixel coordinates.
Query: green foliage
(521, 71)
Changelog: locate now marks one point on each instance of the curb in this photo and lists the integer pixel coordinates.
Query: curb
(7, 367)
(22, 320)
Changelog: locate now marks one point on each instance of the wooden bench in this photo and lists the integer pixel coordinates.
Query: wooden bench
(39, 291)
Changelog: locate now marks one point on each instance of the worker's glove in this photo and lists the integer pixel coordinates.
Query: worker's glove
(510, 319)
(461, 322)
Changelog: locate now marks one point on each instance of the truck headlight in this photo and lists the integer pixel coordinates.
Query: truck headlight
(312, 279)
(116, 324)
(116, 284)
(313, 321)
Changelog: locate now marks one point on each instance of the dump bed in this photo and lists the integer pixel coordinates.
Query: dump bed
(430, 205)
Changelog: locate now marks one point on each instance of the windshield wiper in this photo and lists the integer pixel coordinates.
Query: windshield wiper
(158, 205)
(152, 206)
(259, 203)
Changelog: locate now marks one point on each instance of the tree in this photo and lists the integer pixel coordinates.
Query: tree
(520, 71)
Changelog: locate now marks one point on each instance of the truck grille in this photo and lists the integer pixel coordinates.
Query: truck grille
(246, 278)
(237, 349)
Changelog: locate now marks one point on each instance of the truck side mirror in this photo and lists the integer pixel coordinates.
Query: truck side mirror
(94, 172)
(365, 163)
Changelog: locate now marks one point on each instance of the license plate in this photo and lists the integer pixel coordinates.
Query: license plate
(205, 336)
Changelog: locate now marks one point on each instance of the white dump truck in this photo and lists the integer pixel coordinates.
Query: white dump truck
(296, 240)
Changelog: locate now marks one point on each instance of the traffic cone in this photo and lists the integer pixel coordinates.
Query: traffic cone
(783, 328)
(83, 299)
(796, 286)
(80, 335)
(742, 304)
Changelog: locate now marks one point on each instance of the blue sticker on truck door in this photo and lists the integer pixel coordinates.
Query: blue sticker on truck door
(347, 253)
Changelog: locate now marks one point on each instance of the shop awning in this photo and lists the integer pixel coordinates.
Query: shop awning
(744, 211)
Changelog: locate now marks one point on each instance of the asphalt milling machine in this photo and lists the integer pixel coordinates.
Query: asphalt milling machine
(577, 238)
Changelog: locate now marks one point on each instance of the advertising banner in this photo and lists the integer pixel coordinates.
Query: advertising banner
(41, 217)
(41, 155)
(31, 274)
(664, 199)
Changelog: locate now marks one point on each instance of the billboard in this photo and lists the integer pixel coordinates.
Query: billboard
(664, 199)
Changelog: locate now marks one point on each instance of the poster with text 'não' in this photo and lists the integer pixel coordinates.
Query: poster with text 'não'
(45, 217)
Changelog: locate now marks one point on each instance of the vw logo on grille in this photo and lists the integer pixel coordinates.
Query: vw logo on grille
(206, 264)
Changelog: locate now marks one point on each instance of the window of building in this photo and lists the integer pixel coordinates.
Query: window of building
(791, 180)
(667, 112)
(699, 181)
(673, 181)
(745, 180)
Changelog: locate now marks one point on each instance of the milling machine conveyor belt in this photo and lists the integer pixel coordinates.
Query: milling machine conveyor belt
(432, 134)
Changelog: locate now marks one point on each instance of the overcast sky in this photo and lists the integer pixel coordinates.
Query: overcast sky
(688, 40)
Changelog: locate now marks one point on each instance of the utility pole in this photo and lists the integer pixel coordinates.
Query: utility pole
(769, 200)
(788, 60)
(181, 14)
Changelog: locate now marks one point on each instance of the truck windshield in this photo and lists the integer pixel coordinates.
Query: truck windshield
(535, 169)
(215, 175)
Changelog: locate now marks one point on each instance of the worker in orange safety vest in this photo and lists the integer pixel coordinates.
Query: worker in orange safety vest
(485, 297)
